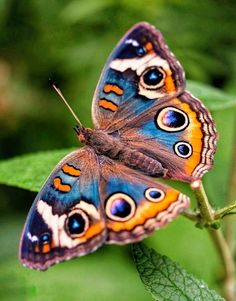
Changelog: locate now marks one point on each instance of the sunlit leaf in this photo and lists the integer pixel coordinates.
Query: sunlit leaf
(168, 281)
(213, 98)
(30, 171)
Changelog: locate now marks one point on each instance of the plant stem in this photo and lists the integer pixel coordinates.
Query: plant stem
(228, 263)
(207, 215)
(206, 211)
(230, 222)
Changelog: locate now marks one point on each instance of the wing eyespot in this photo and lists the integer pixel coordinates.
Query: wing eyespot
(76, 223)
(152, 78)
(120, 207)
(171, 119)
(154, 194)
(183, 149)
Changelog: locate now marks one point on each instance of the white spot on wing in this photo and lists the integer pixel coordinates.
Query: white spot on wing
(132, 42)
(32, 238)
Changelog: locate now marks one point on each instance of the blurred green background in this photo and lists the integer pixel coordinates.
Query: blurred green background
(69, 41)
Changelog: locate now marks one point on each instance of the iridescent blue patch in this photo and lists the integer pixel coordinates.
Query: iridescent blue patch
(120, 207)
(44, 238)
(76, 223)
(155, 194)
(152, 77)
(173, 119)
(183, 149)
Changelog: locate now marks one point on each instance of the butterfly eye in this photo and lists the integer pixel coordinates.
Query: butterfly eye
(120, 207)
(77, 223)
(183, 149)
(171, 119)
(154, 194)
(152, 78)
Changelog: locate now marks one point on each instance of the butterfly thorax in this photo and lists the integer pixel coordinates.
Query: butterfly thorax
(112, 146)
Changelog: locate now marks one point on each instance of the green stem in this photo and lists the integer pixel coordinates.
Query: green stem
(208, 216)
(230, 222)
(206, 211)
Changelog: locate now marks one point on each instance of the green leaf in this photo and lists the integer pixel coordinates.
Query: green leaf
(167, 280)
(31, 170)
(76, 11)
(213, 98)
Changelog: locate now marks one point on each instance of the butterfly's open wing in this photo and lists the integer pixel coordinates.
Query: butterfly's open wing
(140, 70)
(141, 98)
(135, 205)
(66, 219)
(177, 132)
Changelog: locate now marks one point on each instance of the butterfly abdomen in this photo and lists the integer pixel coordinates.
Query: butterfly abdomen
(113, 147)
(141, 162)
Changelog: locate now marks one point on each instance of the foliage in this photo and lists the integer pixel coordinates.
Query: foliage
(166, 280)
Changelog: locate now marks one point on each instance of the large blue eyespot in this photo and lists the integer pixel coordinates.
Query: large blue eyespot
(77, 223)
(183, 149)
(171, 119)
(120, 207)
(153, 77)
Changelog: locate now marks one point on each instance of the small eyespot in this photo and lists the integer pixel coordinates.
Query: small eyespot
(140, 51)
(183, 149)
(171, 119)
(154, 194)
(152, 78)
(120, 207)
(77, 223)
(44, 238)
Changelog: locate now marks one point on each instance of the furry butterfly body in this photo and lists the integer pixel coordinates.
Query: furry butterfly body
(146, 125)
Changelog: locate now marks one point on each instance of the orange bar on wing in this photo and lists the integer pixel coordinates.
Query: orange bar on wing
(169, 84)
(71, 170)
(113, 88)
(107, 105)
(59, 186)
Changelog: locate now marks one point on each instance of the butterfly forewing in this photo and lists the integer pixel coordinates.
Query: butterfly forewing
(153, 114)
(140, 70)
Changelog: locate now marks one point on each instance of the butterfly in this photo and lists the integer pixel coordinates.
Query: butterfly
(146, 125)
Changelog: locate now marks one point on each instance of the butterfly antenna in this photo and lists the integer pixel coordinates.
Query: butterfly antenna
(57, 89)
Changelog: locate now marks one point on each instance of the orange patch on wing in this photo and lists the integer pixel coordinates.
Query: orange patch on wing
(169, 84)
(149, 46)
(36, 248)
(144, 212)
(71, 170)
(109, 105)
(60, 186)
(193, 136)
(113, 88)
(92, 231)
(46, 248)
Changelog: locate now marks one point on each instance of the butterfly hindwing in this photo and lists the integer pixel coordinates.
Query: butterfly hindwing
(66, 219)
(178, 132)
(140, 70)
(134, 204)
